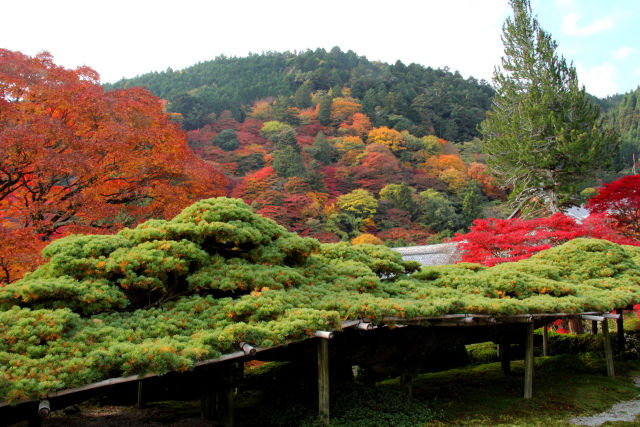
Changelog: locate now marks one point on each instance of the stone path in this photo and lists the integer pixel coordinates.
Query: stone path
(623, 411)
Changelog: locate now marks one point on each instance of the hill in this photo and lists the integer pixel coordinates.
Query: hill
(420, 99)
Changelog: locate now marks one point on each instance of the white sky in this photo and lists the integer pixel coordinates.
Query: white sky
(126, 38)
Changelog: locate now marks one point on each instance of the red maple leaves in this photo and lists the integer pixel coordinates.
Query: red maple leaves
(74, 158)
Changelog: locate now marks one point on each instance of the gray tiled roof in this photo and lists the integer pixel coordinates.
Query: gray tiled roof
(444, 253)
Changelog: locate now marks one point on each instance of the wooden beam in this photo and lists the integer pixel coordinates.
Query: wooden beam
(545, 340)
(593, 318)
(366, 326)
(528, 362)
(323, 380)
(327, 335)
(607, 350)
(620, 326)
(248, 349)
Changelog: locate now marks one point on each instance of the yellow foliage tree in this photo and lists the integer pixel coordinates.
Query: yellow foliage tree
(261, 110)
(366, 238)
(360, 203)
(389, 137)
(455, 178)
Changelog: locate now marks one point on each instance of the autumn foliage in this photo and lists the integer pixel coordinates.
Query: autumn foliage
(493, 241)
(74, 158)
(620, 201)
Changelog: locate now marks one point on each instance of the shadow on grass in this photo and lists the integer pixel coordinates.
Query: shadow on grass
(285, 394)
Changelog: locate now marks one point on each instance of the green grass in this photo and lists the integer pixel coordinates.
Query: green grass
(564, 387)
(285, 394)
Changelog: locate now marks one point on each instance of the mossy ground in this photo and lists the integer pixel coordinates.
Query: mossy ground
(565, 386)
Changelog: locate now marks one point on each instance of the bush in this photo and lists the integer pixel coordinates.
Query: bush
(227, 140)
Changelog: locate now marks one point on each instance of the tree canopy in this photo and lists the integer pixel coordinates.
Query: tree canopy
(543, 135)
(76, 158)
(169, 293)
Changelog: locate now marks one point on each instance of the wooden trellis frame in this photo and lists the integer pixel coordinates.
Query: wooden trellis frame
(450, 320)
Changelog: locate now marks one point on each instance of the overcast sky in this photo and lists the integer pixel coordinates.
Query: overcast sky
(126, 38)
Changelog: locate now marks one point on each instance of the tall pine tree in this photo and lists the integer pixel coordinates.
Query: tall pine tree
(543, 135)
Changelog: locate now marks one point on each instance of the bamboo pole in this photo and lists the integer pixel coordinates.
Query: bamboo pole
(607, 350)
(594, 327)
(545, 340)
(323, 380)
(528, 363)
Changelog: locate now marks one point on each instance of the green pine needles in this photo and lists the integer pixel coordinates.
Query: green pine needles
(543, 136)
(164, 295)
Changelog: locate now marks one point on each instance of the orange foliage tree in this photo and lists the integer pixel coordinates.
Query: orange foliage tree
(74, 158)
(435, 165)
(343, 108)
(480, 172)
(357, 125)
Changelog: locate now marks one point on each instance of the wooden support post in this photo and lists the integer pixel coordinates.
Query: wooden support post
(224, 407)
(607, 349)
(528, 363)
(505, 357)
(140, 400)
(545, 341)
(323, 380)
(594, 327)
(406, 383)
(217, 395)
(620, 325)
(208, 397)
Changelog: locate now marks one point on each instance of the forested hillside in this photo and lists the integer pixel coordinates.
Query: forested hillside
(337, 147)
(422, 100)
(623, 114)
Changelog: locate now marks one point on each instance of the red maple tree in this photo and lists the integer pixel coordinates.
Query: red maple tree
(620, 201)
(493, 241)
(74, 158)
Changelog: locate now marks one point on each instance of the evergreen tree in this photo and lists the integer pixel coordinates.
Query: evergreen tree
(287, 162)
(321, 150)
(401, 195)
(302, 97)
(227, 139)
(543, 135)
(286, 137)
(472, 200)
(437, 212)
(324, 110)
